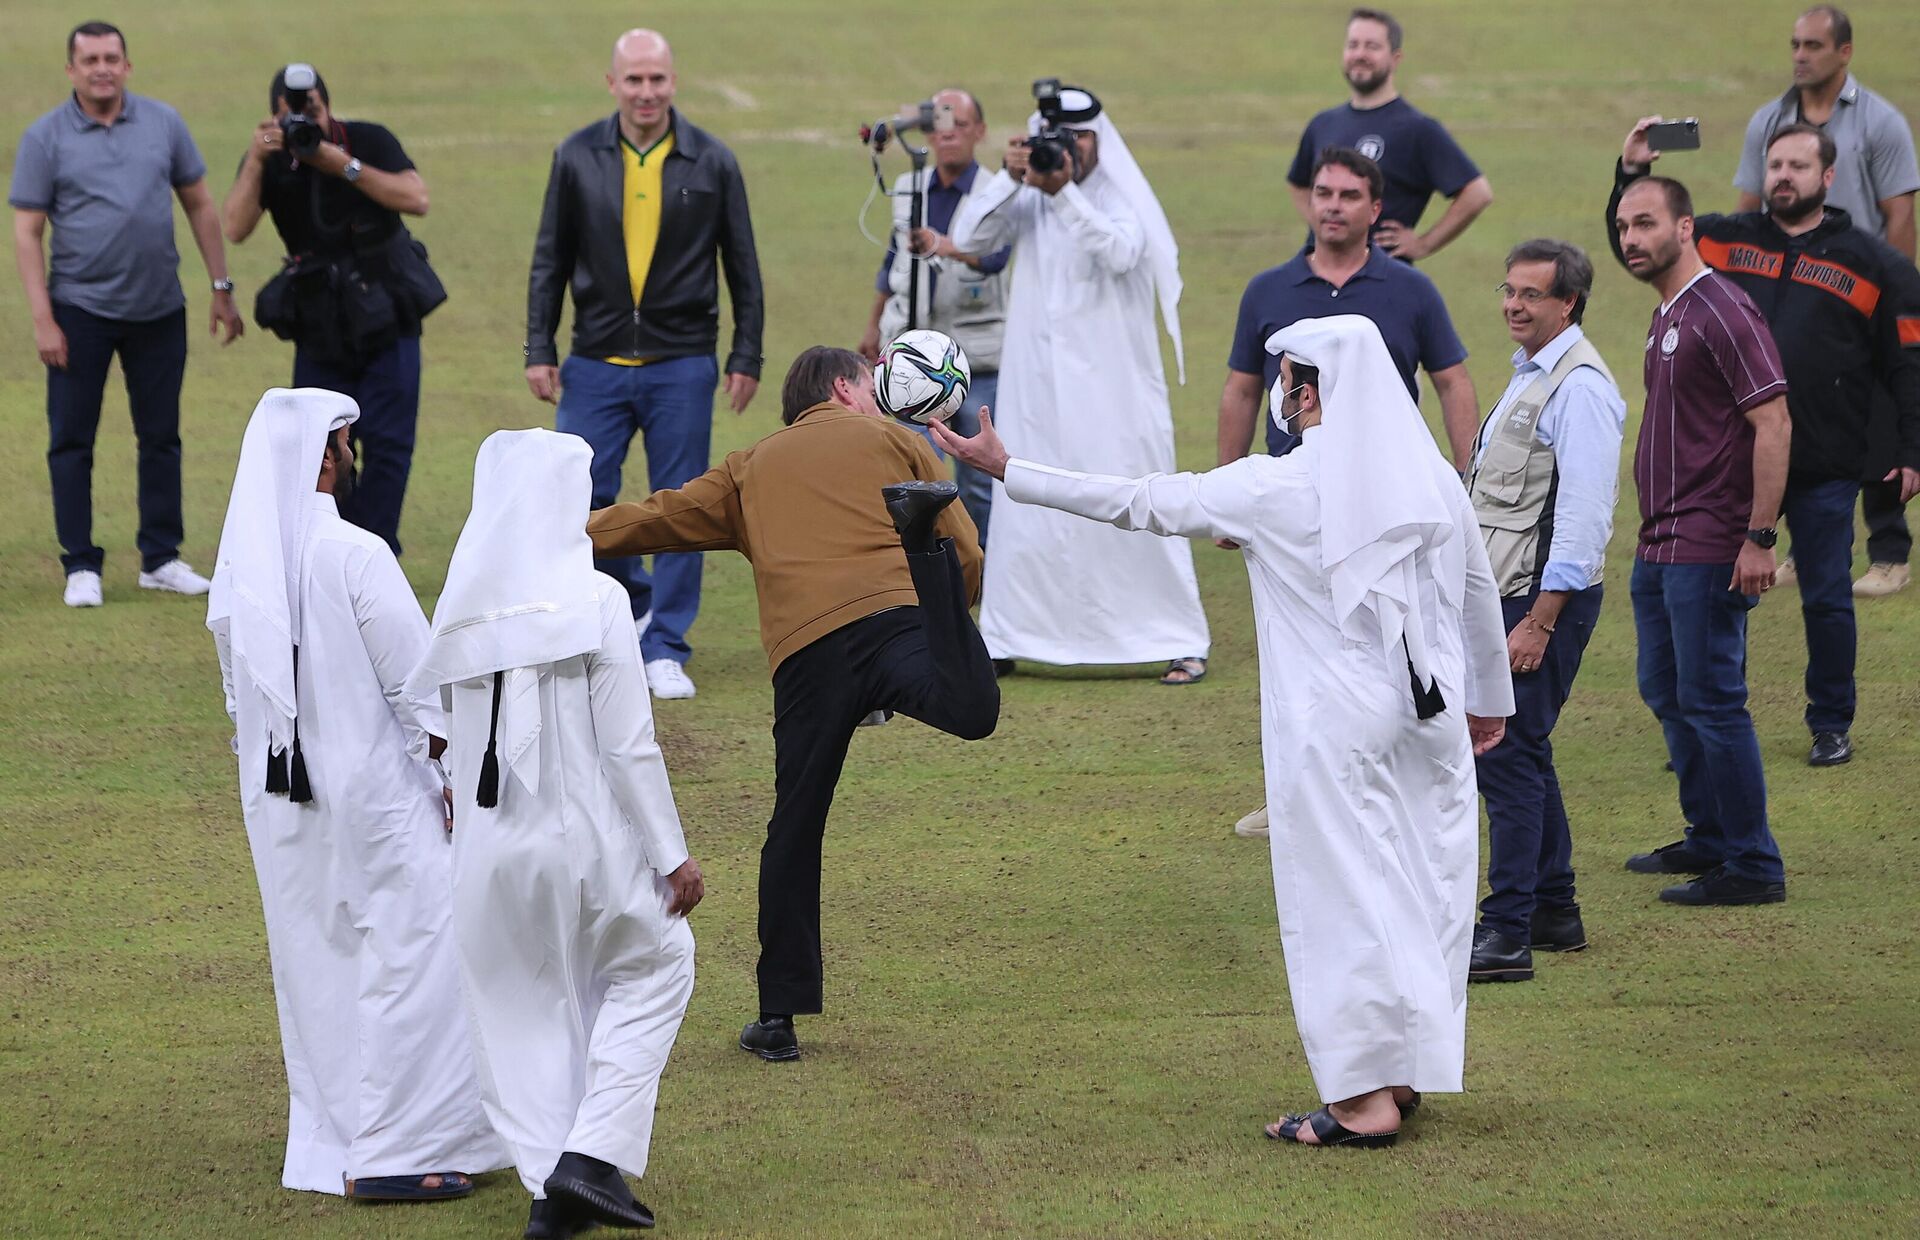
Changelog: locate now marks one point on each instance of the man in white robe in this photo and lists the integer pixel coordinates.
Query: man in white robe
(316, 630)
(1383, 669)
(571, 876)
(1081, 380)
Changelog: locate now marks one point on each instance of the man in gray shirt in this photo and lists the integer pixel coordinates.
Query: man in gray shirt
(1875, 176)
(103, 167)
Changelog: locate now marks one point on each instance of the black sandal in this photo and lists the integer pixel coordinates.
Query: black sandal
(1411, 1105)
(1195, 671)
(1330, 1131)
(410, 1187)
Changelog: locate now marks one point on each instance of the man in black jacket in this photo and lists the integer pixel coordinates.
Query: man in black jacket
(1842, 306)
(646, 313)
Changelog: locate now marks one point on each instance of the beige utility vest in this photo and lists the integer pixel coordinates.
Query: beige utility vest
(1515, 479)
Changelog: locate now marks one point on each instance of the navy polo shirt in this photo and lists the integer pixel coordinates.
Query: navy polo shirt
(1416, 154)
(1402, 302)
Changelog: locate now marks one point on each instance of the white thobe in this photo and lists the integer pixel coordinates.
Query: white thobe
(356, 885)
(1374, 812)
(1080, 380)
(577, 974)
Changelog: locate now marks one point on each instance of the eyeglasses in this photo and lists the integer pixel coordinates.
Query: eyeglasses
(1532, 296)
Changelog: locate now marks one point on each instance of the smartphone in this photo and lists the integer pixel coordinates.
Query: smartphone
(1674, 135)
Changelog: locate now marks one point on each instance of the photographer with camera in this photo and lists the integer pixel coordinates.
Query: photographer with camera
(1081, 379)
(355, 283)
(961, 294)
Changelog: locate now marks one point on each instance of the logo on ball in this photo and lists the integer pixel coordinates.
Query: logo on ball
(922, 377)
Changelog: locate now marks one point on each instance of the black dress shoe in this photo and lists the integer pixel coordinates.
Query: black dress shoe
(914, 506)
(772, 1039)
(583, 1188)
(550, 1219)
(1557, 930)
(1830, 749)
(1717, 886)
(1499, 958)
(1674, 858)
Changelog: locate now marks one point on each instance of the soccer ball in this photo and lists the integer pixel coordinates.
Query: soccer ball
(922, 377)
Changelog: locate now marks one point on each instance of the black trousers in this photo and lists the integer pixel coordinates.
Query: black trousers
(387, 389)
(926, 662)
(153, 359)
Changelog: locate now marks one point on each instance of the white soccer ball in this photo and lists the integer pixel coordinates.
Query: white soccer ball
(922, 377)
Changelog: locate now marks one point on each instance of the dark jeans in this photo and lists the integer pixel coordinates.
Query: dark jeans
(1888, 539)
(1529, 844)
(153, 360)
(1693, 675)
(925, 662)
(976, 488)
(670, 403)
(387, 389)
(1820, 517)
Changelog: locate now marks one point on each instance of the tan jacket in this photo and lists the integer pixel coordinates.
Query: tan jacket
(803, 505)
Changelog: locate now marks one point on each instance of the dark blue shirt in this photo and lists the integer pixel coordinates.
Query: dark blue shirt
(1402, 302)
(1415, 153)
(943, 201)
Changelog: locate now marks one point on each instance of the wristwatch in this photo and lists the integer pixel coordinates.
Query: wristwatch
(351, 172)
(223, 286)
(1763, 538)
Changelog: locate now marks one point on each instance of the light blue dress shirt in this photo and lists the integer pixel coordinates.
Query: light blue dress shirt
(1583, 423)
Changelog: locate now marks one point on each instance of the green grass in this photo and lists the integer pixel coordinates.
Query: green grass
(1056, 997)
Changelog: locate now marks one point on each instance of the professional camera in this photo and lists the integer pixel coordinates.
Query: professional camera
(303, 133)
(1052, 148)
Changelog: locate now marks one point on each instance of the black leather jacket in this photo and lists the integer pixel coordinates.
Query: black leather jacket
(581, 243)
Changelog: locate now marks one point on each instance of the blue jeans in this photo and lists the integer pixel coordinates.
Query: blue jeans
(670, 403)
(153, 360)
(1693, 675)
(1820, 517)
(1529, 844)
(387, 389)
(976, 488)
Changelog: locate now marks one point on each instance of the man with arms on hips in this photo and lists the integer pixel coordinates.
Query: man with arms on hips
(864, 572)
(1383, 670)
(1343, 273)
(1875, 177)
(1546, 471)
(1415, 152)
(337, 210)
(1710, 468)
(571, 879)
(103, 168)
(646, 313)
(961, 294)
(317, 631)
(1839, 301)
(1081, 373)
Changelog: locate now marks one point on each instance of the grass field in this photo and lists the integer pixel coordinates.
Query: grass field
(1056, 999)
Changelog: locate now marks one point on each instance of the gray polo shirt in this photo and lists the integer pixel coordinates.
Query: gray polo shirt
(108, 191)
(1874, 162)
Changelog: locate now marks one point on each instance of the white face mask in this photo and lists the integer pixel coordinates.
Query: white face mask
(1275, 407)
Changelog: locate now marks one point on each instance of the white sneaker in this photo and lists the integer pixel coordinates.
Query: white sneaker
(83, 589)
(175, 577)
(1882, 579)
(1253, 826)
(668, 679)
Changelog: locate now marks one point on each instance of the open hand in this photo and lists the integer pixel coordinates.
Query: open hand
(983, 452)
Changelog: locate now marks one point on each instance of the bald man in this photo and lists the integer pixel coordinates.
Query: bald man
(646, 314)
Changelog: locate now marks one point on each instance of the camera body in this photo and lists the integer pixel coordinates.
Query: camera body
(303, 133)
(1052, 148)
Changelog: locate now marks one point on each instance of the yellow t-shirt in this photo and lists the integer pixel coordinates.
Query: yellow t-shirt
(640, 215)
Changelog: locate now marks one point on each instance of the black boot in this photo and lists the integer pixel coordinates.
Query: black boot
(1499, 958)
(914, 506)
(1558, 930)
(587, 1188)
(771, 1037)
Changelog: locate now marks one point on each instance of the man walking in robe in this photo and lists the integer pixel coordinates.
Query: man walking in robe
(571, 879)
(1080, 377)
(316, 630)
(854, 629)
(1383, 671)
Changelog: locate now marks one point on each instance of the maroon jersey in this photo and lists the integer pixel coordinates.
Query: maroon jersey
(1710, 358)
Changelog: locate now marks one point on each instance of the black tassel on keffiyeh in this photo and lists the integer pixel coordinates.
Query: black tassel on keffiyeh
(487, 796)
(277, 782)
(299, 791)
(1427, 701)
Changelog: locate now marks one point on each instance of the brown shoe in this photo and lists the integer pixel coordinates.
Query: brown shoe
(1881, 579)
